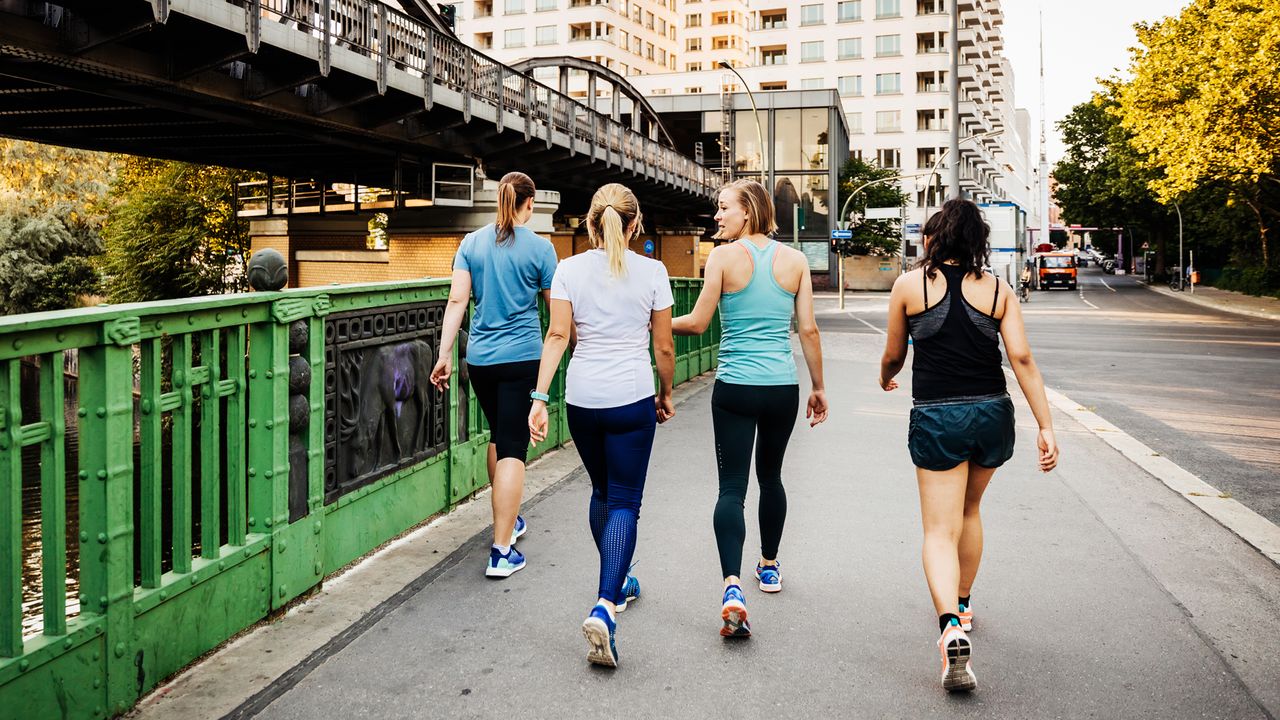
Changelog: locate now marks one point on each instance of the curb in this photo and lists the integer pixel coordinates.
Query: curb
(1251, 527)
(1188, 297)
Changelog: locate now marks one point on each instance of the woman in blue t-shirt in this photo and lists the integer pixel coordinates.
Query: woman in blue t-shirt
(504, 266)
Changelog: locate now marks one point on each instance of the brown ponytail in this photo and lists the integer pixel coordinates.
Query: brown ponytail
(514, 190)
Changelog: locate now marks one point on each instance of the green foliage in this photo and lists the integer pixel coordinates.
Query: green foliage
(1252, 280)
(52, 201)
(173, 232)
(870, 237)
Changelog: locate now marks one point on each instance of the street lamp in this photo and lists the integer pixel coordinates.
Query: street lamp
(764, 156)
(938, 163)
(1182, 270)
(844, 222)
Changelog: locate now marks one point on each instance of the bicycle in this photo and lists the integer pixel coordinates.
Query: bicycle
(1175, 273)
(1024, 291)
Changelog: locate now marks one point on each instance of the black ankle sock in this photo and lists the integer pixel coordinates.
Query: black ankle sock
(945, 619)
(965, 600)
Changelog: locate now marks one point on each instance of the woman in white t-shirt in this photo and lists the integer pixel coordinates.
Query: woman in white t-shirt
(612, 297)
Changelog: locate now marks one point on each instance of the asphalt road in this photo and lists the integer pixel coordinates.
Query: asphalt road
(1199, 386)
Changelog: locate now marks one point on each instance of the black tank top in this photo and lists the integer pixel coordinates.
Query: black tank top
(957, 346)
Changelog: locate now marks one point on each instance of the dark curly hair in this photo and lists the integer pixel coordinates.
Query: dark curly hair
(956, 232)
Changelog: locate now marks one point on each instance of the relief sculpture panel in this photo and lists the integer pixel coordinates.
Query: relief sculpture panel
(381, 412)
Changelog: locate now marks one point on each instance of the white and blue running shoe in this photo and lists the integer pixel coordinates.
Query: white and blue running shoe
(520, 529)
(630, 593)
(501, 566)
(770, 577)
(733, 610)
(598, 629)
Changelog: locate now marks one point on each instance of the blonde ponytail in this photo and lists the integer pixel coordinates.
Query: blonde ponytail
(614, 211)
(514, 189)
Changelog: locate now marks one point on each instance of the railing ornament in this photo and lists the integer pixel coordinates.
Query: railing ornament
(290, 309)
(321, 306)
(252, 23)
(123, 331)
(160, 10)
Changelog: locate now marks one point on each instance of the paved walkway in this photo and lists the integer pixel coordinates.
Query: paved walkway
(1226, 300)
(1102, 594)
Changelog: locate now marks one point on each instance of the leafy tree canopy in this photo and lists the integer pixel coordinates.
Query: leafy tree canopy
(870, 237)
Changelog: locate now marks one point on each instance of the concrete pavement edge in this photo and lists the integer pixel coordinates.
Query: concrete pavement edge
(1191, 298)
(1251, 527)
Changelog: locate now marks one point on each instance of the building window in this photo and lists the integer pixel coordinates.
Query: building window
(888, 83)
(545, 35)
(849, 49)
(810, 15)
(811, 51)
(888, 121)
(849, 85)
(484, 9)
(854, 121)
(693, 90)
(724, 42)
(930, 7)
(848, 10)
(931, 81)
(513, 7)
(888, 8)
(648, 20)
(889, 158)
(693, 67)
(692, 21)
(812, 84)
(773, 20)
(773, 56)
(513, 38)
(484, 41)
(546, 5)
(855, 155)
(927, 157)
(931, 119)
(931, 43)
(777, 85)
(693, 45)
(887, 45)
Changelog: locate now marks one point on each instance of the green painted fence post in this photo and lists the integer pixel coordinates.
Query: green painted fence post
(269, 437)
(106, 502)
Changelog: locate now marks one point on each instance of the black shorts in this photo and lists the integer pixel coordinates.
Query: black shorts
(945, 433)
(503, 393)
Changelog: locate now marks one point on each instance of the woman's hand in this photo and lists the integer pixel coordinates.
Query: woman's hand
(888, 385)
(537, 422)
(1048, 445)
(442, 371)
(665, 407)
(816, 411)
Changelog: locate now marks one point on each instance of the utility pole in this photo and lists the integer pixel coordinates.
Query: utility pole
(954, 173)
(1044, 157)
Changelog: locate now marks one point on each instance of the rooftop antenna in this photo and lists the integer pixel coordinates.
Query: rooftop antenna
(1044, 159)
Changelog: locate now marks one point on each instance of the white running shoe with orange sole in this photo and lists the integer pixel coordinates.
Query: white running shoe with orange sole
(955, 648)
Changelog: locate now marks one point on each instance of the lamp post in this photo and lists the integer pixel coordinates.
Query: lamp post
(764, 156)
(955, 95)
(844, 222)
(938, 163)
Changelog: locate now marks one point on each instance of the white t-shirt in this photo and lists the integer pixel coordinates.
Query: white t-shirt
(610, 365)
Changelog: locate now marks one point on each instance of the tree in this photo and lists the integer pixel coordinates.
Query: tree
(52, 203)
(870, 237)
(174, 232)
(1204, 104)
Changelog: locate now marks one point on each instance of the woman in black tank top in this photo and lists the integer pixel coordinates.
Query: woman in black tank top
(961, 426)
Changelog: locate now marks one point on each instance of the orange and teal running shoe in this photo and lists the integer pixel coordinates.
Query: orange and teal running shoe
(955, 648)
(966, 617)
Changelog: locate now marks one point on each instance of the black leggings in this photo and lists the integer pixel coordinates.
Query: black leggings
(737, 412)
(503, 393)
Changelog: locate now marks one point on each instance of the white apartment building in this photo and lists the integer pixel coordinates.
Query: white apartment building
(630, 37)
(888, 60)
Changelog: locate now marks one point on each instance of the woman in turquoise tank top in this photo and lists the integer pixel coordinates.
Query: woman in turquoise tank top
(757, 284)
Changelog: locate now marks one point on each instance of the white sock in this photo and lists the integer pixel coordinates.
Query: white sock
(502, 549)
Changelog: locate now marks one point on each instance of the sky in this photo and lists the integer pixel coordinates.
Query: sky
(1083, 41)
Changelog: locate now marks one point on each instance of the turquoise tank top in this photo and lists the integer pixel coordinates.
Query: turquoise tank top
(755, 322)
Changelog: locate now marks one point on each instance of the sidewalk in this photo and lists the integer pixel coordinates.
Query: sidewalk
(1225, 300)
(1102, 594)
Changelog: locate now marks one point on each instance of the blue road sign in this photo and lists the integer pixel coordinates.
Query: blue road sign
(841, 234)
(648, 247)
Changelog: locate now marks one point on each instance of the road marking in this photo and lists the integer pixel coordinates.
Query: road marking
(1105, 285)
(864, 322)
(1248, 525)
(1086, 302)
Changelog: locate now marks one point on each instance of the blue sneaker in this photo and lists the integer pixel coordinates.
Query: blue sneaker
(501, 566)
(770, 577)
(598, 629)
(630, 593)
(520, 529)
(733, 611)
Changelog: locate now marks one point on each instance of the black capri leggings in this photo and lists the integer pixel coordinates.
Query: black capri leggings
(503, 392)
(737, 413)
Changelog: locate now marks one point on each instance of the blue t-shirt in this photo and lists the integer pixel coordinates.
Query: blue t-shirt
(505, 281)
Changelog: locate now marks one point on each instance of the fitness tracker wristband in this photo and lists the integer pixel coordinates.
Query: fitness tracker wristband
(535, 395)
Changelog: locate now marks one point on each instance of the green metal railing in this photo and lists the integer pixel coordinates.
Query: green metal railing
(181, 493)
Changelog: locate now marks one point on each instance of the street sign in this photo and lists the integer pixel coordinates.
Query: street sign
(841, 234)
(913, 231)
(648, 247)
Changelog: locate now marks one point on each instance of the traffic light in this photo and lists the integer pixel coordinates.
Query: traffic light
(450, 15)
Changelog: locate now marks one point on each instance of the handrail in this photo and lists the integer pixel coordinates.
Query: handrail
(403, 43)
